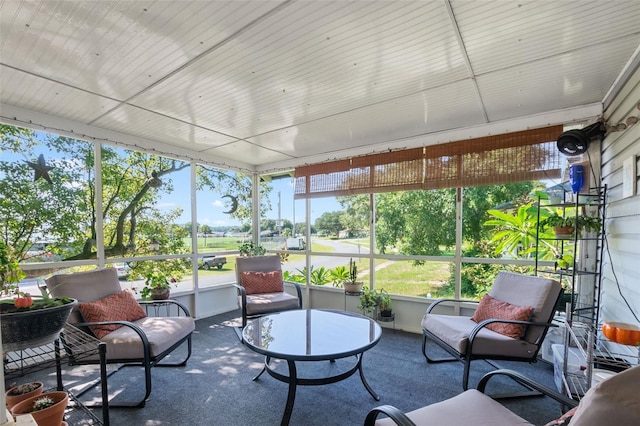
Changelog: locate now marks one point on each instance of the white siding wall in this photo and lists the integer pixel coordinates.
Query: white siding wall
(621, 267)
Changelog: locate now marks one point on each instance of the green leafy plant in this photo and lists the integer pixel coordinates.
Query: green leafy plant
(10, 271)
(296, 278)
(339, 275)
(369, 300)
(384, 301)
(565, 261)
(251, 249)
(581, 223)
(154, 280)
(45, 300)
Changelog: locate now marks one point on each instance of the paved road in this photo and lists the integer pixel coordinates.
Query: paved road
(227, 275)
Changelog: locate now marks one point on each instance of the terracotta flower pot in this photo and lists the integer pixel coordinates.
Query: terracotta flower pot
(51, 416)
(14, 398)
(563, 231)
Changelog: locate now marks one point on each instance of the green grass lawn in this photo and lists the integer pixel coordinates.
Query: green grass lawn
(399, 277)
(403, 277)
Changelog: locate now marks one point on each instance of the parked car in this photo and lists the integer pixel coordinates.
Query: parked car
(209, 261)
(122, 269)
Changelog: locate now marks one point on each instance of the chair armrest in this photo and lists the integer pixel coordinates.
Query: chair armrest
(392, 412)
(169, 303)
(438, 301)
(298, 290)
(525, 381)
(242, 293)
(483, 324)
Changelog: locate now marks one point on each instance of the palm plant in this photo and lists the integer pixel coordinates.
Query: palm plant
(515, 234)
(338, 275)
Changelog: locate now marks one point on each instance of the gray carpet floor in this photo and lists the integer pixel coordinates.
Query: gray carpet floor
(216, 387)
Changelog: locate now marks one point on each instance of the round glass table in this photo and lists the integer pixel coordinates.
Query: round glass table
(311, 335)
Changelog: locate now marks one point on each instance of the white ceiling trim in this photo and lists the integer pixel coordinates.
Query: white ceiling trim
(20, 117)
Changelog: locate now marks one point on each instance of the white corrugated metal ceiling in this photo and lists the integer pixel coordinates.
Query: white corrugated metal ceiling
(266, 85)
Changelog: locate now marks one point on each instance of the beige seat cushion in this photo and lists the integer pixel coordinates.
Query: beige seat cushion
(470, 408)
(454, 331)
(261, 303)
(162, 332)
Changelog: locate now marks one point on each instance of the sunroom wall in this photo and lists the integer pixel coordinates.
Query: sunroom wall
(620, 172)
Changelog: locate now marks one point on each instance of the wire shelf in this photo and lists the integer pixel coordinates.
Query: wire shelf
(76, 345)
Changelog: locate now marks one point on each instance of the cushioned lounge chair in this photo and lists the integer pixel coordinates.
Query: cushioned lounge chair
(136, 333)
(510, 324)
(611, 402)
(261, 288)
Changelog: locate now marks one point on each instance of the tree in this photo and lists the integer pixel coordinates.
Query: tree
(478, 200)
(132, 182)
(204, 229)
(416, 222)
(32, 210)
(329, 222)
(356, 212)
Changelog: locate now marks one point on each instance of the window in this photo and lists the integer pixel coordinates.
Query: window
(48, 218)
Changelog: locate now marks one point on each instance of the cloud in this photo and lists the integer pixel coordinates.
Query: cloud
(218, 203)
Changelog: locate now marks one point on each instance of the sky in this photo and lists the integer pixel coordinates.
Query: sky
(211, 210)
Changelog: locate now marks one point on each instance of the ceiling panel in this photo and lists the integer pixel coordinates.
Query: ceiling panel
(314, 60)
(260, 82)
(116, 48)
(525, 31)
(534, 87)
(149, 125)
(248, 153)
(408, 116)
(42, 95)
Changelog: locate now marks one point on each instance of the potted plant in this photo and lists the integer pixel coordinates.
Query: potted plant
(352, 285)
(369, 300)
(19, 393)
(250, 249)
(157, 285)
(564, 226)
(46, 409)
(385, 304)
(27, 321)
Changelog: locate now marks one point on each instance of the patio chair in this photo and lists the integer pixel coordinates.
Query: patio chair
(261, 288)
(136, 333)
(613, 401)
(509, 323)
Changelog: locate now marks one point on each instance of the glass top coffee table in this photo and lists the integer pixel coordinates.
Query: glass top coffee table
(311, 335)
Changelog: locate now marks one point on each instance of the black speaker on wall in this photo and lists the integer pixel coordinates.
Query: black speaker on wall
(576, 141)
